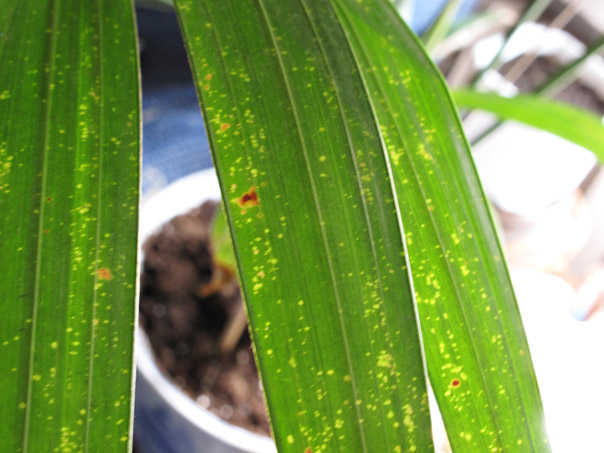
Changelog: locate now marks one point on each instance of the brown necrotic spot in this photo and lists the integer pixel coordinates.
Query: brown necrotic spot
(308, 450)
(224, 127)
(250, 198)
(48, 198)
(104, 274)
(455, 383)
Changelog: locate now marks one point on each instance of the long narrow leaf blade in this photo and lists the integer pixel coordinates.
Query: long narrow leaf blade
(441, 26)
(69, 160)
(569, 73)
(476, 351)
(532, 12)
(566, 121)
(309, 199)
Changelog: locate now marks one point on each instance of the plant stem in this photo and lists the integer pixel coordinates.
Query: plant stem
(472, 29)
(233, 330)
(237, 321)
(438, 30)
(556, 83)
(560, 21)
(569, 73)
(530, 14)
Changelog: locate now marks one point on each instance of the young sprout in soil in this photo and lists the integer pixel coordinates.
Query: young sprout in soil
(223, 272)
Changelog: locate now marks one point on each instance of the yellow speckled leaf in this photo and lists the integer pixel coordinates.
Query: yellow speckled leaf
(69, 164)
(322, 144)
(315, 225)
(476, 351)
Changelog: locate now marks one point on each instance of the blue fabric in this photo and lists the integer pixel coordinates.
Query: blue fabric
(174, 138)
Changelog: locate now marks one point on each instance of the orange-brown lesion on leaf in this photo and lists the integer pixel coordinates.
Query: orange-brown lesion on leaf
(250, 198)
(104, 274)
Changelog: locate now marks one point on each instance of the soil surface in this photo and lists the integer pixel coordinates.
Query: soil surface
(184, 327)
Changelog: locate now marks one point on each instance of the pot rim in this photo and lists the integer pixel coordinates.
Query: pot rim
(178, 198)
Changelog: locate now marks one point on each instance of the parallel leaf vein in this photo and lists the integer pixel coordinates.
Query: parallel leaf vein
(50, 59)
(345, 333)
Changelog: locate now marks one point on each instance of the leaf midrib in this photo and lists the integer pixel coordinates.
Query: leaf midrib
(98, 227)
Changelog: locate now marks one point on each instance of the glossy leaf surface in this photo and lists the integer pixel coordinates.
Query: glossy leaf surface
(578, 126)
(309, 199)
(69, 163)
(476, 350)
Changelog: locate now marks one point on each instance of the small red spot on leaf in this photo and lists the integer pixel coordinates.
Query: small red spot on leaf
(209, 77)
(46, 231)
(250, 198)
(224, 127)
(308, 450)
(48, 198)
(104, 274)
(455, 382)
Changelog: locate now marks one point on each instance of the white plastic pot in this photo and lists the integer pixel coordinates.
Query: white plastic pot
(166, 420)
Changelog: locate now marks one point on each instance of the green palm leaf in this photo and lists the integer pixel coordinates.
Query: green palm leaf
(308, 193)
(69, 162)
(476, 351)
(314, 222)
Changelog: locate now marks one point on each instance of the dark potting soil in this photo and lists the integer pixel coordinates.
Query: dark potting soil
(184, 328)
